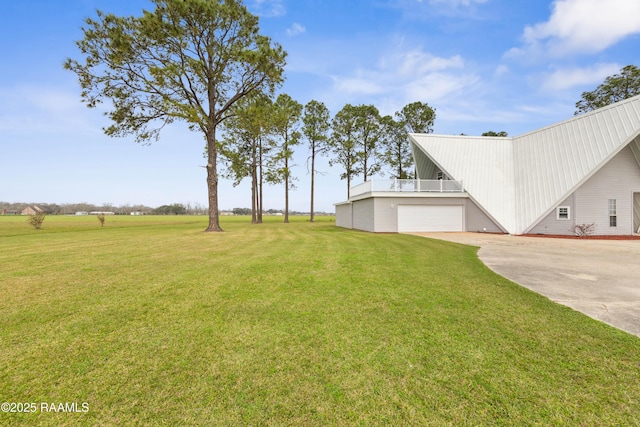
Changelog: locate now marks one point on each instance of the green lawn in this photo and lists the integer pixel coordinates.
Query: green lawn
(151, 321)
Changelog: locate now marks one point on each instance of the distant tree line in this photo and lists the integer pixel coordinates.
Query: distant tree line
(72, 208)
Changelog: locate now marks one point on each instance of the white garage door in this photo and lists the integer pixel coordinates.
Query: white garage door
(413, 218)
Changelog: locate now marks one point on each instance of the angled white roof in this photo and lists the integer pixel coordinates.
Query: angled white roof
(519, 180)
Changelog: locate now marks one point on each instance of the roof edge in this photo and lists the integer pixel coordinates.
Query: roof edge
(581, 116)
(582, 181)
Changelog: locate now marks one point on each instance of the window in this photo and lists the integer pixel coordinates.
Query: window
(562, 213)
(613, 213)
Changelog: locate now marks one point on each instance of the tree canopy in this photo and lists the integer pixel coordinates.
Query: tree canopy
(502, 133)
(344, 145)
(417, 117)
(614, 88)
(188, 60)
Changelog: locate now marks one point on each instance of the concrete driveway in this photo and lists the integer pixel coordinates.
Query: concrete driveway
(600, 278)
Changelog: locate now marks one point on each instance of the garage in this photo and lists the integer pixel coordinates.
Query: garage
(412, 218)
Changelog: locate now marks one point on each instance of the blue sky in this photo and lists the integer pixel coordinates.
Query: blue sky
(512, 65)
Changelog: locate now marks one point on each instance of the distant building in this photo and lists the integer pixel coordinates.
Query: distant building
(82, 213)
(35, 209)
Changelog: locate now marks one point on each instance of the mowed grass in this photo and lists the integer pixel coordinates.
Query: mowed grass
(151, 321)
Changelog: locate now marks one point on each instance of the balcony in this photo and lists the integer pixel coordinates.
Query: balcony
(407, 186)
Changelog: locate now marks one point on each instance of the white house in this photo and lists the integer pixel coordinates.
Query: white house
(585, 170)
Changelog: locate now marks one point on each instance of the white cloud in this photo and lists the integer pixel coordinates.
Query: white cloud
(31, 108)
(296, 29)
(571, 77)
(581, 26)
(418, 62)
(267, 8)
(358, 85)
(438, 86)
(501, 70)
(406, 77)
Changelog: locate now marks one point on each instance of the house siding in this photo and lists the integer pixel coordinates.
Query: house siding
(380, 214)
(618, 180)
(386, 218)
(551, 225)
(363, 215)
(476, 220)
(343, 215)
(386, 209)
(636, 213)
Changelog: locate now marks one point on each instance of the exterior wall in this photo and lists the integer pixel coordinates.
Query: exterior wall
(343, 215)
(618, 179)
(636, 212)
(386, 218)
(476, 220)
(380, 214)
(363, 214)
(551, 225)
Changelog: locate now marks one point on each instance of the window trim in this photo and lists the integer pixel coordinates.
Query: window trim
(559, 216)
(613, 212)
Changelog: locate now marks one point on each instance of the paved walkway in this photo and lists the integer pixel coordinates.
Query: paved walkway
(600, 278)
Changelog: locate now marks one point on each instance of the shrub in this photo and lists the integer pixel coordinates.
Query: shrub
(36, 220)
(583, 230)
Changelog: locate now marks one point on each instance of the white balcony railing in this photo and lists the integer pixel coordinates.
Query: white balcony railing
(407, 185)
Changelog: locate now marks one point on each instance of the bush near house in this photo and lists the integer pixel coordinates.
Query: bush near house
(584, 230)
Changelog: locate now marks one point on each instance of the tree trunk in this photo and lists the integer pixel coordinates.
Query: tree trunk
(254, 199)
(286, 189)
(313, 174)
(254, 187)
(260, 182)
(365, 168)
(212, 181)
